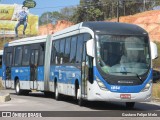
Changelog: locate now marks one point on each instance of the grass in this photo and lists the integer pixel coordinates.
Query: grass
(1, 87)
(156, 90)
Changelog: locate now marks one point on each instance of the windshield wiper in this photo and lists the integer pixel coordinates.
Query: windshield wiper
(132, 73)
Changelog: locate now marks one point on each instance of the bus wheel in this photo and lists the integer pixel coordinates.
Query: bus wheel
(48, 94)
(25, 92)
(17, 88)
(57, 96)
(130, 105)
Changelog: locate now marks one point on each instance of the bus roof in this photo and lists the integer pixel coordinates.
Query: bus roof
(28, 40)
(115, 28)
(106, 28)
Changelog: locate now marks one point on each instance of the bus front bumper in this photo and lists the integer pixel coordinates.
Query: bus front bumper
(97, 94)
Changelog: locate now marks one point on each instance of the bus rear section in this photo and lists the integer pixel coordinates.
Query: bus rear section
(23, 64)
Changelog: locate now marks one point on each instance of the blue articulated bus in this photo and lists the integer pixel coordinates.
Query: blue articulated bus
(94, 61)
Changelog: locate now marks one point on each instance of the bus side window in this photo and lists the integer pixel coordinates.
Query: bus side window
(8, 56)
(67, 50)
(73, 50)
(26, 55)
(42, 54)
(87, 37)
(53, 53)
(57, 51)
(79, 49)
(8, 59)
(62, 44)
(18, 56)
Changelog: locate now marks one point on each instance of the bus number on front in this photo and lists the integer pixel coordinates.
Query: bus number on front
(115, 87)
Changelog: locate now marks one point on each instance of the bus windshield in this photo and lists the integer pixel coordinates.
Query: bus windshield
(123, 55)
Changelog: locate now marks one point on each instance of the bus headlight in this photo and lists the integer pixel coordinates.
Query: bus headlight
(101, 85)
(148, 85)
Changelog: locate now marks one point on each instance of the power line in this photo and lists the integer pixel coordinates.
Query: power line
(57, 7)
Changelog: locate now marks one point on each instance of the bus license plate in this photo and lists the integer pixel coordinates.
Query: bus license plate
(125, 96)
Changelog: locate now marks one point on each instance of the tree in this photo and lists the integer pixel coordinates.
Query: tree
(51, 17)
(46, 18)
(57, 16)
(98, 10)
(156, 62)
(67, 13)
(89, 10)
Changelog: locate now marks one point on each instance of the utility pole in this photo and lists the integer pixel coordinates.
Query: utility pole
(117, 10)
(88, 3)
(124, 7)
(144, 5)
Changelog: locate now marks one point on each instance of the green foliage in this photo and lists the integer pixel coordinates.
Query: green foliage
(89, 11)
(126, 7)
(155, 90)
(68, 13)
(94, 14)
(156, 62)
(51, 17)
(98, 10)
(45, 18)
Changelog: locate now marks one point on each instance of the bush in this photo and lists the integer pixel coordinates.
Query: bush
(156, 62)
(156, 91)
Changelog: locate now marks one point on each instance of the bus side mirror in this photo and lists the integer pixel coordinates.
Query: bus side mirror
(90, 48)
(154, 51)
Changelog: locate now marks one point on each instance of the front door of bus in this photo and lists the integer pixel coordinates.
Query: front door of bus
(84, 73)
(33, 68)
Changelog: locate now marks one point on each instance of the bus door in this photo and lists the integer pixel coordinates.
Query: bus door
(0, 64)
(8, 63)
(84, 73)
(33, 68)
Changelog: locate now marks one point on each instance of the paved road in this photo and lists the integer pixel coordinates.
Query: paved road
(38, 102)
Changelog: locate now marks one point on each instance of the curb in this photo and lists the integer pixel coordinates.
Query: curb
(4, 97)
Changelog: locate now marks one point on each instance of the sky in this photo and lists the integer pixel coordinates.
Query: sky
(45, 5)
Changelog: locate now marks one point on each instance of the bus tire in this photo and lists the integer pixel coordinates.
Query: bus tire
(26, 92)
(80, 102)
(48, 94)
(17, 88)
(130, 105)
(57, 95)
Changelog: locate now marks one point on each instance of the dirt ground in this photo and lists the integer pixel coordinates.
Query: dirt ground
(149, 20)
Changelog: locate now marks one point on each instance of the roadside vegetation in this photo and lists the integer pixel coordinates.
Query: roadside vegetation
(156, 91)
(1, 87)
(156, 62)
